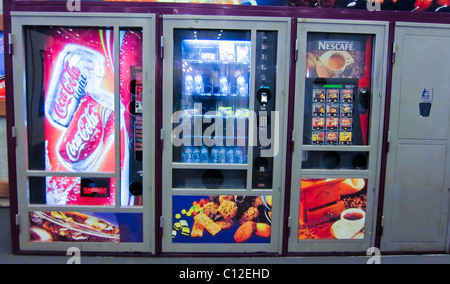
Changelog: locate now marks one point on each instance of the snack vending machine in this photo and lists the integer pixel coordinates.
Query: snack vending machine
(79, 125)
(337, 141)
(224, 91)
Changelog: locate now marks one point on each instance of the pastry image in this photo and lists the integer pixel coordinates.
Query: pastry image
(251, 214)
(210, 209)
(225, 218)
(228, 209)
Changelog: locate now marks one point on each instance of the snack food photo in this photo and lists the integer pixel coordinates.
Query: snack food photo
(222, 219)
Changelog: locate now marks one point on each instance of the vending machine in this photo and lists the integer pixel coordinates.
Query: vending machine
(337, 120)
(225, 88)
(79, 128)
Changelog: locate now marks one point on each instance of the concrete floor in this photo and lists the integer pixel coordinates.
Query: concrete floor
(7, 258)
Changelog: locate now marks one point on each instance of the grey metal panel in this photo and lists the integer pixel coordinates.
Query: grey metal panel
(423, 69)
(418, 193)
(417, 199)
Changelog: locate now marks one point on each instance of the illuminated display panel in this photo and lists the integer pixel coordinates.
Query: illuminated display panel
(71, 114)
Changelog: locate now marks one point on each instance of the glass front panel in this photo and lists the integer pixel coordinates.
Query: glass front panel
(222, 219)
(70, 101)
(211, 96)
(337, 100)
(131, 103)
(332, 209)
(71, 114)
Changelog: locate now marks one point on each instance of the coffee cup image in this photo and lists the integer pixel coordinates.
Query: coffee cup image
(336, 61)
(351, 224)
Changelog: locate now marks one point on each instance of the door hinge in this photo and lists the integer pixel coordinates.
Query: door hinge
(289, 222)
(161, 222)
(296, 50)
(17, 219)
(394, 52)
(293, 141)
(10, 44)
(388, 141)
(14, 135)
(161, 134)
(162, 47)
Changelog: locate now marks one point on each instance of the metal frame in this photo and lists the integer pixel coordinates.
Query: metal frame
(372, 173)
(282, 25)
(147, 22)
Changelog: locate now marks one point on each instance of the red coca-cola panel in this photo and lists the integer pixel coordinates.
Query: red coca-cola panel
(79, 111)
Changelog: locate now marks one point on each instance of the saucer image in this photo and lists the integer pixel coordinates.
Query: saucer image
(341, 230)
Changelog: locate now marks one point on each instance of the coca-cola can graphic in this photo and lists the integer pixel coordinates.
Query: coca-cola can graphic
(89, 134)
(78, 70)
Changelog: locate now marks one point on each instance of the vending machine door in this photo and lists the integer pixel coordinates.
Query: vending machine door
(224, 80)
(83, 151)
(416, 206)
(337, 141)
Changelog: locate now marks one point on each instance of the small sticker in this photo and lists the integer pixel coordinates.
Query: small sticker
(427, 95)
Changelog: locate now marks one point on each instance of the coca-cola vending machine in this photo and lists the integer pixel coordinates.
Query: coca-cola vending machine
(80, 125)
(337, 141)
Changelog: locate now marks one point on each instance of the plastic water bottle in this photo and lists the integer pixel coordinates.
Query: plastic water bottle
(205, 155)
(239, 156)
(187, 155)
(214, 155)
(222, 155)
(224, 89)
(189, 85)
(196, 155)
(230, 155)
(242, 86)
(199, 86)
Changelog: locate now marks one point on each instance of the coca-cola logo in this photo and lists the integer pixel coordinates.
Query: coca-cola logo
(87, 125)
(69, 84)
